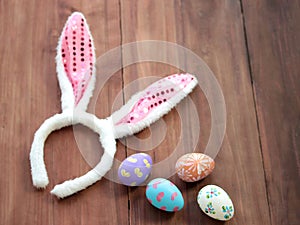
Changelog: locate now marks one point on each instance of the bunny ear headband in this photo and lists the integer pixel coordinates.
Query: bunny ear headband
(76, 74)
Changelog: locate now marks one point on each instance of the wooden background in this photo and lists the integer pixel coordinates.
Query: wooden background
(252, 48)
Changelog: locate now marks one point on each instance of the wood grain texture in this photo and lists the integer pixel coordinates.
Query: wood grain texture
(138, 24)
(273, 34)
(214, 31)
(30, 94)
(251, 46)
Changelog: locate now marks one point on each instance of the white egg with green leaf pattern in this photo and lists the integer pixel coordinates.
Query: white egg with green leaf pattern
(215, 203)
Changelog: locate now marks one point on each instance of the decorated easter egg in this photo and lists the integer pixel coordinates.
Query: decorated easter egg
(164, 195)
(192, 167)
(135, 169)
(215, 202)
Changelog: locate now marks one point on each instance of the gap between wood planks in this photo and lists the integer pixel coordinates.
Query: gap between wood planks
(123, 99)
(255, 103)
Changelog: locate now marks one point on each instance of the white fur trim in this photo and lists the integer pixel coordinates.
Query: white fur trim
(38, 169)
(67, 95)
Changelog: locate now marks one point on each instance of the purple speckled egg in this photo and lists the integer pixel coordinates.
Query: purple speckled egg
(135, 169)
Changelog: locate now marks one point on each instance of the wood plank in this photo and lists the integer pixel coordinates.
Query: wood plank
(30, 94)
(154, 20)
(25, 86)
(273, 34)
(217, 26)
(214, 31)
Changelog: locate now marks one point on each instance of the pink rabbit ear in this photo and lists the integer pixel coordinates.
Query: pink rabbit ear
(151, 104)
(75, 61)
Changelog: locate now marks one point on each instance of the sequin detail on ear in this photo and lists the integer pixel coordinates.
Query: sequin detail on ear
(77, 53)
(155, 95)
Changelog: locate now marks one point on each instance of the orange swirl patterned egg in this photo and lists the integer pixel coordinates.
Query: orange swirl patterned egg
(192, 167)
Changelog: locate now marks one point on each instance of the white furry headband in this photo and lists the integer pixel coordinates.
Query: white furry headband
(76, 74)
